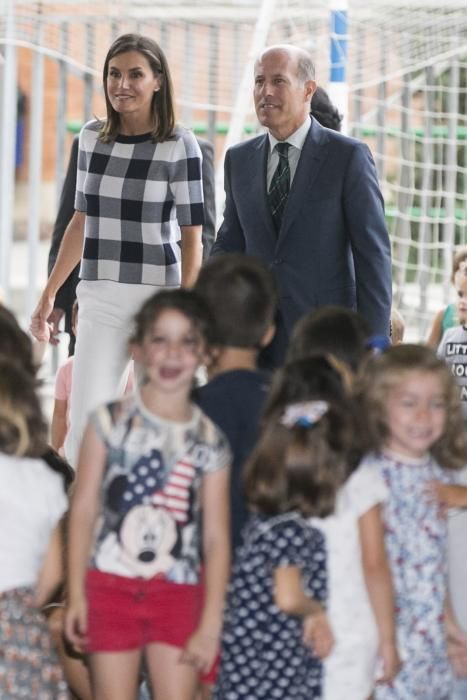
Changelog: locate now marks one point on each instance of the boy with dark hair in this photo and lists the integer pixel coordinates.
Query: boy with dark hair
(242, 296)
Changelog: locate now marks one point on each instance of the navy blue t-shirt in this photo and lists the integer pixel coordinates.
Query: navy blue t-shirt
(234, 400)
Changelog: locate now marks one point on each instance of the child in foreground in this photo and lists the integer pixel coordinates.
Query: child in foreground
(360, 606)
(150, 466)
(414, 426)
(278, 588)
(241, 294)
(32, 501)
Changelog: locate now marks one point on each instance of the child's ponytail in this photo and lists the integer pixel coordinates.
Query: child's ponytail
(307, 446)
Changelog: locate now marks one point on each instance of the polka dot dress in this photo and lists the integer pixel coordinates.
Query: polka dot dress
(263, 655)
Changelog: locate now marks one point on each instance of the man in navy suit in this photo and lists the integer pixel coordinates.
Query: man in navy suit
(324, 237)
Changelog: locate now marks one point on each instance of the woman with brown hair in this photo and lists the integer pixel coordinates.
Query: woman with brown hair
(137, 224)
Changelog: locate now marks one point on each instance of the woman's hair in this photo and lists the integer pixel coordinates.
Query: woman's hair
(162, 106)
(331, 329)
(15, 344)
(324, 111)
(23, 430)
(300, 463)
(187, 302)
(381, 373)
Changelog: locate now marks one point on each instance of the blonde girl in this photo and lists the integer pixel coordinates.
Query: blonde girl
(414, 428)
(32, 500)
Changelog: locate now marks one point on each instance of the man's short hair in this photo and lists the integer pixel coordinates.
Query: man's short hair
(305, 66)
(242, 295)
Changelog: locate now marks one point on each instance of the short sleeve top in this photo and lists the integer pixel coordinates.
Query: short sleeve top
(263, 654)
(150, 496)
(136, 194)
(32, 500)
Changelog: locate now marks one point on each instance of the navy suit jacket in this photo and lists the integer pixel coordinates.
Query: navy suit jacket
(333, 246)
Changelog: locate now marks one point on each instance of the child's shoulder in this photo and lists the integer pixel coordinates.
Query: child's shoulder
(232, 389)
(109, 414)
(365, 487)
(239, 380)
(34, 476)
(208, 431)
(286, 527)
(454, 334)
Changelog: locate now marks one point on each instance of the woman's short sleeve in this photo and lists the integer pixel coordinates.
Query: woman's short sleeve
(87, 141)
(186, 180)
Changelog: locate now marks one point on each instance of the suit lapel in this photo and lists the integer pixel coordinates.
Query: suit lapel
(313, 153)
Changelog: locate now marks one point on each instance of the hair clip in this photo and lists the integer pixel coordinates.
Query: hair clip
(304, 414)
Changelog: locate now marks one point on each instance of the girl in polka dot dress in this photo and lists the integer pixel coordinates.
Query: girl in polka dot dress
(150, 465)
(414, 426)
(276, 602)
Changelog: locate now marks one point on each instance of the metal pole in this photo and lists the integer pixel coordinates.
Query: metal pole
(244, 92)
(358, 94)
(381, 109)
(188, 82)
(8, 148)
(61, 113)
(338, 88)
(426, 157)
(212, 80)
(449, 228)
(89, 77)
(35, 173)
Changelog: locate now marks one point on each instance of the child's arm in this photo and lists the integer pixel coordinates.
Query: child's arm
(52, 570)
(202, 647)
(379, 584)
(58, 427)
(448, 495)
(436, 330)
(290, 597)
(457, 642)
(83, 514)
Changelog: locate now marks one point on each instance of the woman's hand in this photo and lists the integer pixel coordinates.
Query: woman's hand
(76, 624)
(201, 650)
(317, 634)
(40, 328)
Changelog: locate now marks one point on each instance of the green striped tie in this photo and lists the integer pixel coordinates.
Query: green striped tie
(280, 185)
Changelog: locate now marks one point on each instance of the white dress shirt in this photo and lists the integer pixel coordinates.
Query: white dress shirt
(296, 141)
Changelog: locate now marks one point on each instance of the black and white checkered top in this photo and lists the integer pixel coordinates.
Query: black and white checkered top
(136, 194)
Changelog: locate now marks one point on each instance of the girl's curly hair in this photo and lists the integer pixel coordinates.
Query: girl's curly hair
(383, 372)
(23, 430)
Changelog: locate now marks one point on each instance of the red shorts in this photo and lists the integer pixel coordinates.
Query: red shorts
(129, 613)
